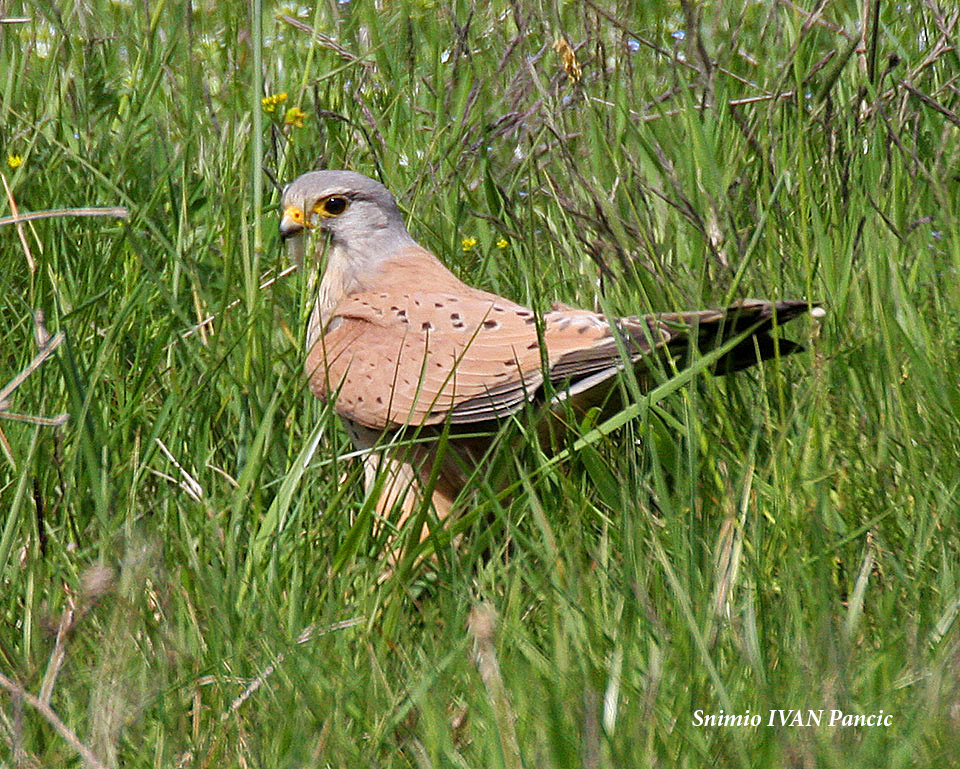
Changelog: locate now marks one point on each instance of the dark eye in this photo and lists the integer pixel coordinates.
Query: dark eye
(334, 206)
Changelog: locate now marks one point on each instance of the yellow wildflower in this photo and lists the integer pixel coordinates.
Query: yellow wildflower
(14, 161)
(295, 117)
(502, 243)
(468, 243)
(269, 103)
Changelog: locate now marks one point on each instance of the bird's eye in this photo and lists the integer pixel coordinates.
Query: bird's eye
(332, 206)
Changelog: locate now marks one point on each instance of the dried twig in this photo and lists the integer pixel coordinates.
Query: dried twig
(189, 484)
(31, 264)
(933, 104)
(482, 625)
(211, 318)
(58, 654)
(325, 41)
(813, 17)
(117, 211)
(54, 720)
(663, 51)
(47, 347)
(45, 352)
(673, 112)
(308, 634)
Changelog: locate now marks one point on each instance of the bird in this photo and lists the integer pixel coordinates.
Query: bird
(403, 347)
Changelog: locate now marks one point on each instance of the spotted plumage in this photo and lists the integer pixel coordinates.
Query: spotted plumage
(397, 340)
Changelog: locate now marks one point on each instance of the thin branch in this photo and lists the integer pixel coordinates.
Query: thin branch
(45, 352)
(54, 720)
(481, 624)
(934, 105)
(58, 421)
(211, 318)
(117, 211)
(58, 655)
(325, 41)
(673, 112)
(308, 634)
(31, 264)
(189, 483)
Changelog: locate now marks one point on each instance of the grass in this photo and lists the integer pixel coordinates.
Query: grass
(189, 575)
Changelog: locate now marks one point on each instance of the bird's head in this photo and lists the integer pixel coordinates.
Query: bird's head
(358, 213)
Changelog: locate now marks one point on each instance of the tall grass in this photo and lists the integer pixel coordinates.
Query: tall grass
(189, 572)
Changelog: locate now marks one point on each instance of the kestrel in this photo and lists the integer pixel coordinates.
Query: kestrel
(404, 347)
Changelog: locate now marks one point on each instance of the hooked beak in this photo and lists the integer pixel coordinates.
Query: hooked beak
(292, 223)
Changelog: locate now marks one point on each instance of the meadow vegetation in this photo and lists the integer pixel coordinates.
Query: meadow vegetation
(189, 575)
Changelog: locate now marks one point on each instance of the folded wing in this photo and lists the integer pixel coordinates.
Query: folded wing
(420, 358)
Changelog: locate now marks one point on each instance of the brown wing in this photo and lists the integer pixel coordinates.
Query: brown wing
(584, 354)
(579, 346)
(409, 358)
(397, 358)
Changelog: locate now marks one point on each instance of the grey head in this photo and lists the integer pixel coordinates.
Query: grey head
(358, 213)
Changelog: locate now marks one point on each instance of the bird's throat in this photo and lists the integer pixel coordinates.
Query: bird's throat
(341, 278)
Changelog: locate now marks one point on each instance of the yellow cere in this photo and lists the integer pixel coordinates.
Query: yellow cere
(294, 213)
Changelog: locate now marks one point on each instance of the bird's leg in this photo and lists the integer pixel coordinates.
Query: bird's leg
(401, 474)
